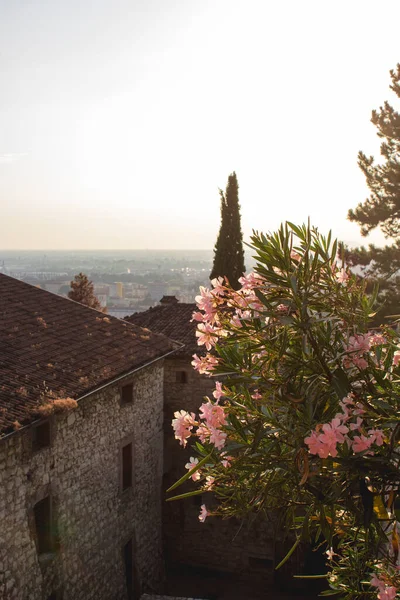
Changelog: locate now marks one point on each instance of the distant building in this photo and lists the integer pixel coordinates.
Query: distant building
(119, 289)
(81, 404)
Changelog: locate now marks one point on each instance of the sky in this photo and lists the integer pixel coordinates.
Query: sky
(119, 120)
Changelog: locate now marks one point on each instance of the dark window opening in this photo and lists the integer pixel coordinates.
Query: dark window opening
(41, 436)
(54, 596)
(127, 466)
(128, 563)
(127, 394)
(180, 377)
(43, 524)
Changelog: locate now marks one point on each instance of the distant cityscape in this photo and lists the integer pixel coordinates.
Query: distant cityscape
(125, 281)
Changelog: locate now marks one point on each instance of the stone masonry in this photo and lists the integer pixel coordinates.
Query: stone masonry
(186, 540)
(93, 519)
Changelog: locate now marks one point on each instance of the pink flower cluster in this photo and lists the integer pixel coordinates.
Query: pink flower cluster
(386, 592)
(324, 439)
(356, 349)
(183, 425)
(212, 417)
(244, 302)
(203, 513)
(204, 364)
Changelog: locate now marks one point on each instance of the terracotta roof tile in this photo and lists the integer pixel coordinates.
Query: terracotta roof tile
(172, 320)
(51, 343)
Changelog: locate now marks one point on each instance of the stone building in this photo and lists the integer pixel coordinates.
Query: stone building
(226, 545)
(81, 447)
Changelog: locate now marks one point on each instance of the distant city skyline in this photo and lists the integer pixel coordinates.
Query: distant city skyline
(120, 120)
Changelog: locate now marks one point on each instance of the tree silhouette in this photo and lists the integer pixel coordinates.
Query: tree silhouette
(382, 208)
(228, 251)
(82, 291)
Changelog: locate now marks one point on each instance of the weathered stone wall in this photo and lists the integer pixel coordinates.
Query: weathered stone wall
(227, 545)
(147, 597)
(95, 519)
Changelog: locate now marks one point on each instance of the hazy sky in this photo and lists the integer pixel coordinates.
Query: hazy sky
(120, 120)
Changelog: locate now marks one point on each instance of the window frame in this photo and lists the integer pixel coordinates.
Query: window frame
(130, 402)
(123, 443)
(35, 447)
(39, 537)
(181, 376)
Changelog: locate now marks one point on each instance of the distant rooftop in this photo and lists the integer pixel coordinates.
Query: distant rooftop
(173, 319)
(53, 344)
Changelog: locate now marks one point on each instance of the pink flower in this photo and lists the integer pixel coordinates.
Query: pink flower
(377, 339)
(209, 485)
(235, 321)
(226, 460)
(190, 465)
(182, 425)
(361, 443)
(203, 513)
(359, 362)
(218, 285)
(338, 429)
(203, 433)
(207, 334)
(251, 281)
(356, 426)
(342, 276)
(330, 553)
(218, 393)
(376, 436)
(213, 414)
(198, 316)
(376, 582)
(217, 437)
(204, 364)
(204, 300)
(282, 309)
(359, 343)
(256, 395)
(389, 593)
(313, 442)
(396, 358)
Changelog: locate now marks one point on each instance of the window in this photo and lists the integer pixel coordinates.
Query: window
(44, 526)
(127, 394)
(128, 563)
(127, 466)
(41, 436)
(180, 377)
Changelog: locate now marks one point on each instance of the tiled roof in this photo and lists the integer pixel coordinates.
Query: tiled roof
(174, 321)
(52, 344)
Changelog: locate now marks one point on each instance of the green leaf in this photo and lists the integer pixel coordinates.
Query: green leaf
(340, 383)
(189, 473)
(289, 554)
(187, 495)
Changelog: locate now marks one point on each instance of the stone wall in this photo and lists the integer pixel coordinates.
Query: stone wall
(226, 545)
(94, 519)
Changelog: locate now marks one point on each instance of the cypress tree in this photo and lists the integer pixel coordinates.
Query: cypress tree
(228, 251)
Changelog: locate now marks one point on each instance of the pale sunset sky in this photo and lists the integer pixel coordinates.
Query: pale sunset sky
(119, 120)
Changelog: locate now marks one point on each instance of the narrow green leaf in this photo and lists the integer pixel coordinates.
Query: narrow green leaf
(189, 474)
(187, 495)
(289, 554)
